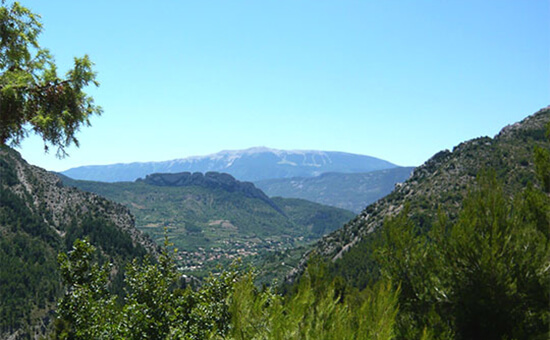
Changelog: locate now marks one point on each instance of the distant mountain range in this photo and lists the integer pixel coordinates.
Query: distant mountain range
(252, 164)
(347, 191)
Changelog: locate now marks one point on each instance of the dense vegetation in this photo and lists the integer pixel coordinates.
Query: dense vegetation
(452, 259)
(226, 306)
(441, 184)
(38, 219)
(28, 269)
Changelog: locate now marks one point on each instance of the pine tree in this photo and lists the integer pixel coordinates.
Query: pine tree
(32, 95)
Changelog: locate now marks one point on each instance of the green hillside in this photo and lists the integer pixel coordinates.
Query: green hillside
(351, 191)
(211, 225)
(439, 185)
(40, 218)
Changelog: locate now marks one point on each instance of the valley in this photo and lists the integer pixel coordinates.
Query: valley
(264, 243)
(214, 219)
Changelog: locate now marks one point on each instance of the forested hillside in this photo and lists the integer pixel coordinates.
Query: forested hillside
(39, 218)
(461, 250)
(443, 181)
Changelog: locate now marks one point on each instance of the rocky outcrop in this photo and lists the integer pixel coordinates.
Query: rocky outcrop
(210, 180)
(60, 205)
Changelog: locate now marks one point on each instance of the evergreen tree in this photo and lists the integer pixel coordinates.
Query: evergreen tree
(484, 277)
(32, 95)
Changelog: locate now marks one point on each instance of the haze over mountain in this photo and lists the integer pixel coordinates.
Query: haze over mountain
(252, 164)
(347, 191)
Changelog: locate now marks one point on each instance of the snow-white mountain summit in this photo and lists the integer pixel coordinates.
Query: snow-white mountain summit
(246, 165)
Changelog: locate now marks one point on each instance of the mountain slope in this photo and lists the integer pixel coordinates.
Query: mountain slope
(247, 165)
(347, 191)
(39, 217)
(213, 217)
(441, 183)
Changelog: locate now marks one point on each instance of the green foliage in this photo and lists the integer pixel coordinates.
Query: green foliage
(32, 95)
(483, 277)
(227, 306)
(86, 310)
(542, 163)
(105, 235)
(28, 279)
(153, 308)
(28, 275)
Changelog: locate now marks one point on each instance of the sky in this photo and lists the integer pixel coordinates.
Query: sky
(398, 80)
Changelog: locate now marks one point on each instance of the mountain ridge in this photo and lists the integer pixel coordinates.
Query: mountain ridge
(246, 165)
(441, 183)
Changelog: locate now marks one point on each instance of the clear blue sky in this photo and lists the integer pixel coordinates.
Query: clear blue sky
(399, 80)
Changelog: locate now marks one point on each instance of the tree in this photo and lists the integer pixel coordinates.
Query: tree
(484, 276)
(32, 95)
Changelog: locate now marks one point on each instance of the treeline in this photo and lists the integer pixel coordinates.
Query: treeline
(486, 276)
(228, 306)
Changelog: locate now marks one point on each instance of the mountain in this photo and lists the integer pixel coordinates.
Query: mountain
(347, 191)
(213, 218)
(440, 184)
(39, 218)
(246, 165)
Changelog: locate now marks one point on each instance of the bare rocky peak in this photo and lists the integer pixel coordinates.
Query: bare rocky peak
(536, 120)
